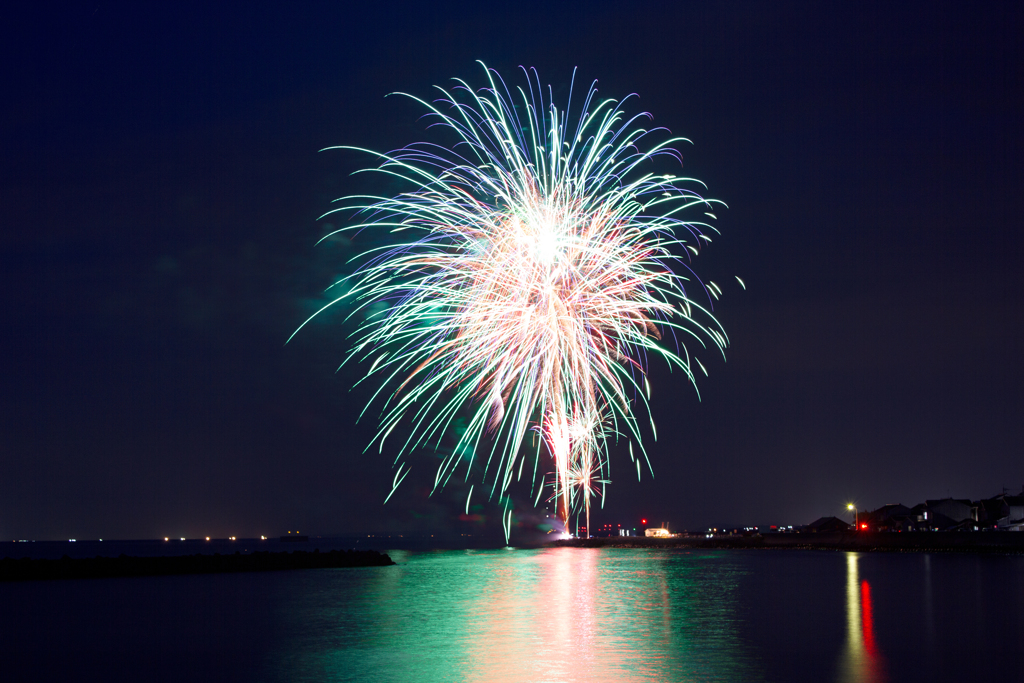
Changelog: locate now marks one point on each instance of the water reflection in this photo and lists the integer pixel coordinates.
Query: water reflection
(549, 615)
(571, 625)
(591, 615)
(861, 661)
(929, 611)
(558, 614)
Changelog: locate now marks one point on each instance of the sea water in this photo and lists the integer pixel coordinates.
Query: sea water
(558, 614)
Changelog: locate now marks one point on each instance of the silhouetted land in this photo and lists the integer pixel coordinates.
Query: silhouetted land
(103, 567)
(914, 541)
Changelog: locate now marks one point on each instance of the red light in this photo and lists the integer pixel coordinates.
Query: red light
(863, 526)
(644, 521)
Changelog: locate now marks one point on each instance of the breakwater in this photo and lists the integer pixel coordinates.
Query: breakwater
(106, 567)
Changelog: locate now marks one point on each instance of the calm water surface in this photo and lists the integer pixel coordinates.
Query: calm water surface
(565, 614)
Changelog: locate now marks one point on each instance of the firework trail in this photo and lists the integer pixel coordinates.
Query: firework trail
(531, 280)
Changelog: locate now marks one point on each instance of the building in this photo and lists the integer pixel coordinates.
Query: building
(1003, 512)
(954, 509)
(824, 525)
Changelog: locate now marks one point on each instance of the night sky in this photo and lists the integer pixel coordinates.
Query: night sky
(160, 184)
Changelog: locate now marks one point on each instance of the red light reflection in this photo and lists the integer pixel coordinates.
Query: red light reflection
(867, 623)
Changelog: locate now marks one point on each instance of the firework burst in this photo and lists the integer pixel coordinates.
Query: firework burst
(538, 263)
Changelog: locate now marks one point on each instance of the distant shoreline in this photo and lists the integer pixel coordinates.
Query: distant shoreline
(912, 541)
(27, 569)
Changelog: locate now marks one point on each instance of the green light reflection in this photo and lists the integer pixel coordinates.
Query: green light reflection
(559, 614)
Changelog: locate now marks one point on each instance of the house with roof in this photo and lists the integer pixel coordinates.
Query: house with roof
(1015, 512)
(992, 512)
(893, 517)
(944, 514)
(824, 525)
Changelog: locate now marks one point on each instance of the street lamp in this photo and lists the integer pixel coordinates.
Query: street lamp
(851, 506)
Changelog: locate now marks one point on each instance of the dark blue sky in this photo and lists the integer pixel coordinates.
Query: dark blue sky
(160, 184)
